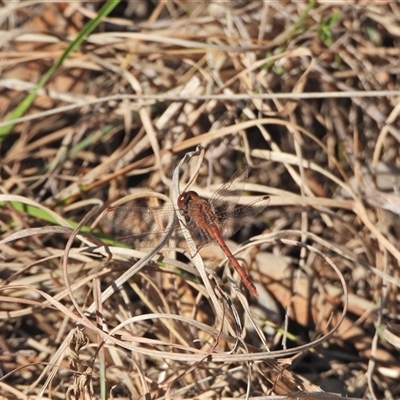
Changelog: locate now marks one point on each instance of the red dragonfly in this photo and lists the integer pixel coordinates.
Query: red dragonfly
(207, 221)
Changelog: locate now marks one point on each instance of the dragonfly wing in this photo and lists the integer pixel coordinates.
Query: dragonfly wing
(139, 226)
(228, 195)
(231, 221)
(199, 236)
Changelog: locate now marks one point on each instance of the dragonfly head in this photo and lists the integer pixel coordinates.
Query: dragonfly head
(184, 199)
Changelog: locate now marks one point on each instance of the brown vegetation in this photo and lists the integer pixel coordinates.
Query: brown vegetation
(306, 94)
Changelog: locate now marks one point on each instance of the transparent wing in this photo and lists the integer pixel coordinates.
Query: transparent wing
(140, 226)
(200, 237)
(231, 221)
(227, 196)
(145, 226)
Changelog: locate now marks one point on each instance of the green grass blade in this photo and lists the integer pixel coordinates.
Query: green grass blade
(83, 34)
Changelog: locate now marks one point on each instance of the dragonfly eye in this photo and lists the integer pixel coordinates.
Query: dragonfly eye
(183, 201)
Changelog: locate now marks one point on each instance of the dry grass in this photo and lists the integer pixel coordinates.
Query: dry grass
(306, 94)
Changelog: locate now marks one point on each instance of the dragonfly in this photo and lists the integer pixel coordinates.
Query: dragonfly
(208, 221)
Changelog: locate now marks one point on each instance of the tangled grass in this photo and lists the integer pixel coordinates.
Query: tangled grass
(102, 103)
